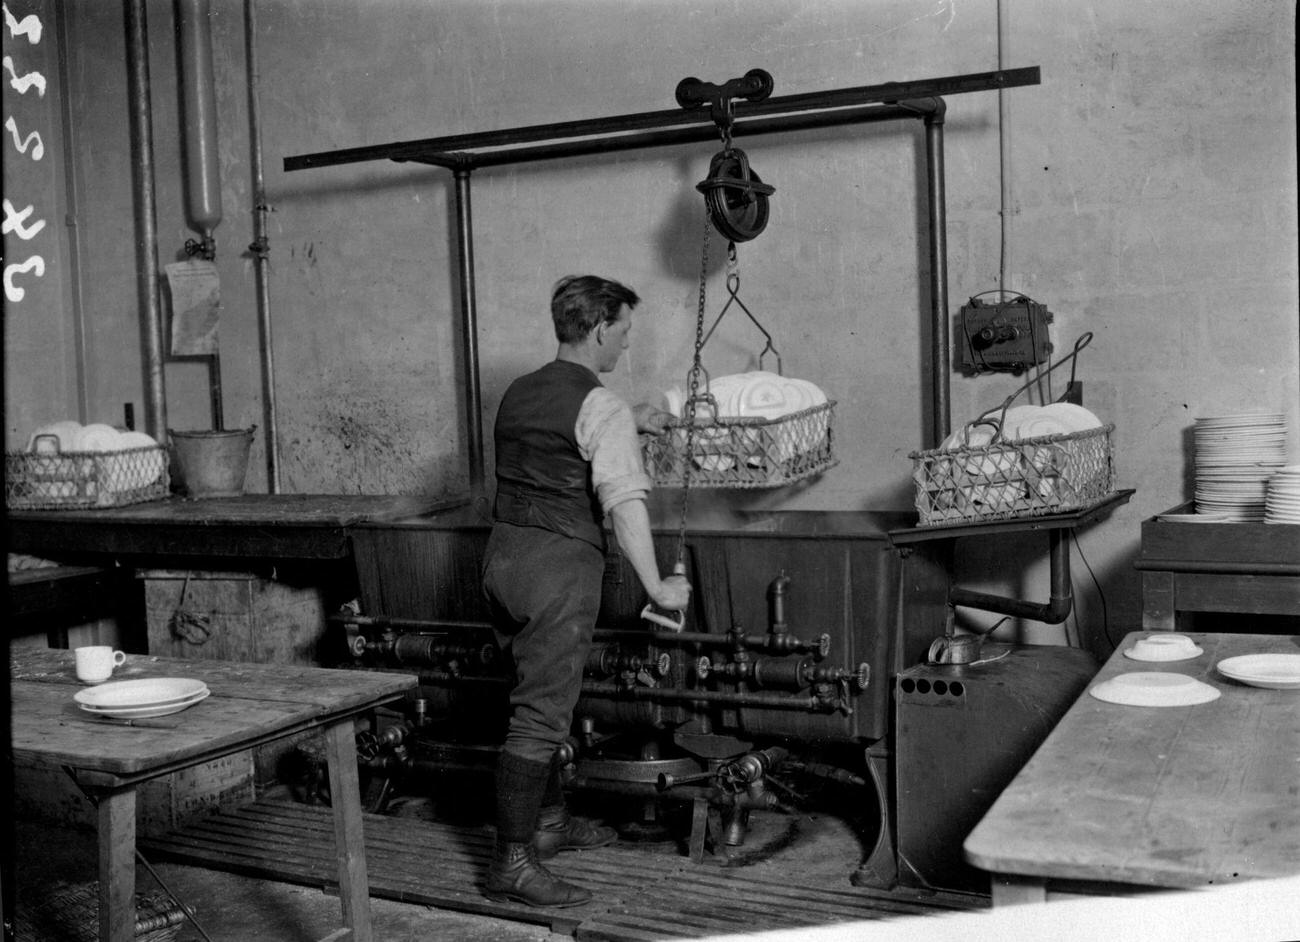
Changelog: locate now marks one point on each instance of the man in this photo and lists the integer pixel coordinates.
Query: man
(567, 454)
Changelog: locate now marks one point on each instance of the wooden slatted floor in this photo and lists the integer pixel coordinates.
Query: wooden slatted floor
(640, 895)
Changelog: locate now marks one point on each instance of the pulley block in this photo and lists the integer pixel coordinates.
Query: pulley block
(735, 197)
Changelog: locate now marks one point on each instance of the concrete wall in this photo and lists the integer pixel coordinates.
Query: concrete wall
(1150, 186)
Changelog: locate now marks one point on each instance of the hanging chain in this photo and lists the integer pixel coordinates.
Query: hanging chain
(692, 393)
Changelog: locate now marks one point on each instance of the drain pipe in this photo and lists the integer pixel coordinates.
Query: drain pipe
(137, 66)
(260, 250)
(1053, 612)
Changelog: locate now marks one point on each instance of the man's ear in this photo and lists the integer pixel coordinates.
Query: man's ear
(600, 332)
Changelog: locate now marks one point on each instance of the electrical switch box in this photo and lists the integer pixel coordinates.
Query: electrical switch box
(1008, 336)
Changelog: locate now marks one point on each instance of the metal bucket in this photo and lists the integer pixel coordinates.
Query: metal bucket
(211, 464)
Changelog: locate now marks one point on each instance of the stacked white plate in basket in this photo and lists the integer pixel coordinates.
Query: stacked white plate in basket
(1283, 502)
(1235, 455)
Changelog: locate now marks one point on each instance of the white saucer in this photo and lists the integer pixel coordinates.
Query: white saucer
(145, 712)
(146, 692)
(1154, 689)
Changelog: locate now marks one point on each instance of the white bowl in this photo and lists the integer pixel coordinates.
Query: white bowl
(1164, 647)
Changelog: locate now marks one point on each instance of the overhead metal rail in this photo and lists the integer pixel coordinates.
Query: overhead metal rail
(464, 153)
(674, 126)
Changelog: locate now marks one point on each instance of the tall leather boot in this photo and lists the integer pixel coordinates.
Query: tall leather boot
(558, 830)
(515, 873)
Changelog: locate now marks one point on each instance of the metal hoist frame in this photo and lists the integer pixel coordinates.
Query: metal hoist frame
(892, 101)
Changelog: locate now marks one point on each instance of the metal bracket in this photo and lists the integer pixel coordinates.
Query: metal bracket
(755, 85)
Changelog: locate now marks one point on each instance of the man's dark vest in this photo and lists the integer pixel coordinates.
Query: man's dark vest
(542, 478)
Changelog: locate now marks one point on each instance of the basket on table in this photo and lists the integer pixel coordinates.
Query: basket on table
(69, 912)
(743, 451)
(53, 479)
(1003, 480)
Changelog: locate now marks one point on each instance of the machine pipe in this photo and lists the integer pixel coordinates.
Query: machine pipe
(1052, 612)
(779, 643)
(419, 624)
(142, 165)
(674, 695)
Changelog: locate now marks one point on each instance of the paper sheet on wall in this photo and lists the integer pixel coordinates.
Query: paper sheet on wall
(196, 301)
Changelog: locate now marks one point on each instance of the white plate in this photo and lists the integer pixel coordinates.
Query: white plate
(1164, 647)
(1278, 671)
(1076, 418)
(148, 692)
(1194, 518)
(141, 713)
(1154, 689)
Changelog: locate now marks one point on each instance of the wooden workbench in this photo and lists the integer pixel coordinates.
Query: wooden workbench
(250, 704)
(1179, 797)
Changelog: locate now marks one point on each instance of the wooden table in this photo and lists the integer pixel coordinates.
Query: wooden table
(250, 704)
(1236, 568)
(1177, 797)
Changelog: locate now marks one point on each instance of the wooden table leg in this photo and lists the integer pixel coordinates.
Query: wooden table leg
(116, 812)
(1011, 890)
(349, 838)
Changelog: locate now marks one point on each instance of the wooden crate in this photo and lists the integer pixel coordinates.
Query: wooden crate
(163, 804)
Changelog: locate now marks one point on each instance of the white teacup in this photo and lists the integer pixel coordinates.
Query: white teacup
(95, 663)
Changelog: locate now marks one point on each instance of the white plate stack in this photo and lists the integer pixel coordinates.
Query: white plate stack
(1235, 456)
(1283, 502)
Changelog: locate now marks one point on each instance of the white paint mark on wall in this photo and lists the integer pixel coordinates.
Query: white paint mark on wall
(29, 26)
(16, 222)
(14, 292)
(22, 143)
(21, 83)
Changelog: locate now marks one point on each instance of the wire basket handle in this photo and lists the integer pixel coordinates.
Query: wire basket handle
(733, 289)
(985, 418)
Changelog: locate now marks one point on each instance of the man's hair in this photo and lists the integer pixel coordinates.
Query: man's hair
(580, 302)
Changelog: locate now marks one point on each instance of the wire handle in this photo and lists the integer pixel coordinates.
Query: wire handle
(985, 418)
(733, 289)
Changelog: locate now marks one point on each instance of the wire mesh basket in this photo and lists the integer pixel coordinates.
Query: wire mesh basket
(69, 912)
(743, 452)
(1028, 478)
(67, 480)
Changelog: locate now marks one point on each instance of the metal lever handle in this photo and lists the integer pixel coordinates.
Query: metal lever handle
(677, 620)
(668, 621)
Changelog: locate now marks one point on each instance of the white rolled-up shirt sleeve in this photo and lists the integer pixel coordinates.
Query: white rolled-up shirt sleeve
(607, 438)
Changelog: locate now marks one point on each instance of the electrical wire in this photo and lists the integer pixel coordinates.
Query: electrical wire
(1101, 596)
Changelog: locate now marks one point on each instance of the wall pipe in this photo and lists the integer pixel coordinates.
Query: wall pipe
(940, 343)
(260, 250)
(1052, 612)
(203, 176)
(469, 335)
(146, 246)
(72, 184)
